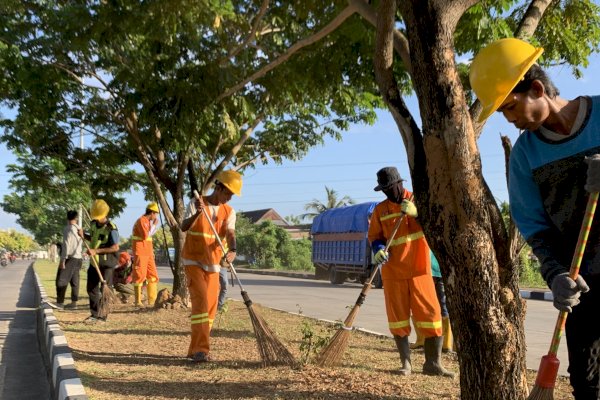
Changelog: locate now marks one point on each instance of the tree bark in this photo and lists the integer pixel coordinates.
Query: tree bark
(459, 215)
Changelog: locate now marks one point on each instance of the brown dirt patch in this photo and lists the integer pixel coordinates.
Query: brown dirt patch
(141, 355)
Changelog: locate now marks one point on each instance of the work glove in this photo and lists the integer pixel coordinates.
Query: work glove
(381, 256)
(592, 183)
(409, 208)
(566, 291)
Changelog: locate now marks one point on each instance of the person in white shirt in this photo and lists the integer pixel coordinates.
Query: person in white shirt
(70, 263)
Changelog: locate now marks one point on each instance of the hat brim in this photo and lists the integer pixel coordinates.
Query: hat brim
(380, 188)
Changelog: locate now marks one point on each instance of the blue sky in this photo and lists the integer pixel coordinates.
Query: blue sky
(348, 166)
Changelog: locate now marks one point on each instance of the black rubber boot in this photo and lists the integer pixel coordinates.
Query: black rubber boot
(433, 353)
(404, 350)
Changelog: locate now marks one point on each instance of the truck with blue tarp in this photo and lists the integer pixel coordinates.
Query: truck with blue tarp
(340, 247)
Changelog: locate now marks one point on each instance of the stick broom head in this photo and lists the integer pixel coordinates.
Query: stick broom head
(333, 353)
(107, 301)
(272, 351)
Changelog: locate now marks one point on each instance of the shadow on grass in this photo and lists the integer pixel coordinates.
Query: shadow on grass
(216, 389)
(127, 359)
(150, 360)
(90, 329)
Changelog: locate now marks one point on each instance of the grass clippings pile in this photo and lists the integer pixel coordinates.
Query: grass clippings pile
(140, 354)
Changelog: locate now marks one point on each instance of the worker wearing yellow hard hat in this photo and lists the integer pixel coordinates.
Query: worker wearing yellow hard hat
(202, 256)
(144, 265)
(104, 247)
(554, 166)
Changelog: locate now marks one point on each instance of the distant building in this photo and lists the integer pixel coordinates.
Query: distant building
(269, 214)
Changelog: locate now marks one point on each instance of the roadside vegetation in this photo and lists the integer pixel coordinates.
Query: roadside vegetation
(141, 355)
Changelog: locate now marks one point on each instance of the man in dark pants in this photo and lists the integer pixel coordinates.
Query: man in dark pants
(554, 165)
(104, 247)
(70, 263)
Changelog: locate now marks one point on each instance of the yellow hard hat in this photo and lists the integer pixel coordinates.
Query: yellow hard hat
(153, 207)
(497, 69)
(99, 210)
(232, 180)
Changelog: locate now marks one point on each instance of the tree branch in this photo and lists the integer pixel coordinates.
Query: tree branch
(326, 30)
(531, 18)
(383, 63)
(261, 12)
(235, 149)
(515, 239)
(400, 42)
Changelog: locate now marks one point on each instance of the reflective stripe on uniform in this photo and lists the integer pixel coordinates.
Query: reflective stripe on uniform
(389, 216)
(399, 324)
(407, 238)
(206, 235)
(200, 318)
(429, 325)
(139, 238)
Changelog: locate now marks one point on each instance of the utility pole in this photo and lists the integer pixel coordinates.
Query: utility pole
(81, 147)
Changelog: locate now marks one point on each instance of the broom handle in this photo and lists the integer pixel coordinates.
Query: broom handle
(95, 263)
(93, 258)
(367, 286)
(212, 227)
(575, 264)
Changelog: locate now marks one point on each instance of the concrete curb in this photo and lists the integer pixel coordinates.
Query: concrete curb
(63, 376)
(525, 294)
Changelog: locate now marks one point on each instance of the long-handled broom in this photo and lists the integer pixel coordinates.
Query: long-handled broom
(335, 349)
(546, 376)
(272, 351)
(107, 297)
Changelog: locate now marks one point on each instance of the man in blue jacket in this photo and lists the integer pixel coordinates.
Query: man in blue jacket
(553, 166)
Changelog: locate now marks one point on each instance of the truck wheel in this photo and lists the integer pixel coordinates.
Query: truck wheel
(377, 281)
(335, 277)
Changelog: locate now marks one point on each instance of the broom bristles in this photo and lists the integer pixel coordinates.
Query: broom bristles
(272, 351)
(333, 353)
(107, 301)
(540, 393)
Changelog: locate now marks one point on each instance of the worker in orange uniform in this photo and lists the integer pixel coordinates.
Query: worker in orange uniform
(406, 273)
(144, 267)
(202, 256)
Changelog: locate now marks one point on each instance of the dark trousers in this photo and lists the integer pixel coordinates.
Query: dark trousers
(94, 286)
(583, 331)
(69, 275)
(223, 287)
(441, 295)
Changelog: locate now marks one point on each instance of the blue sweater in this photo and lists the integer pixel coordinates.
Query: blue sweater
(547, 195)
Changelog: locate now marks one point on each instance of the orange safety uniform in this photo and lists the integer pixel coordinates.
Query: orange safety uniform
(407, 281)
(144, 266)
(202, 247)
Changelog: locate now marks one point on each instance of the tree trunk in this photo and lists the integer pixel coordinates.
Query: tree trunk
(179, 281)
(459, 215)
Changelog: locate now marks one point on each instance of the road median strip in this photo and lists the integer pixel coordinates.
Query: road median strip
(63, 375)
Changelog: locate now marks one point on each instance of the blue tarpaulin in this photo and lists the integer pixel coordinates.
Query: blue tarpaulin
(353, 218)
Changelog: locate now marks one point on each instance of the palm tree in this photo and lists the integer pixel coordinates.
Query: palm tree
(316, 207)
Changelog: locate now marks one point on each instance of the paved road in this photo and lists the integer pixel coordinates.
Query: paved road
(320, 299)
(22, 371)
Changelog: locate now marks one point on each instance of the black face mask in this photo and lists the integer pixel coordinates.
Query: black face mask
(394, 193)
